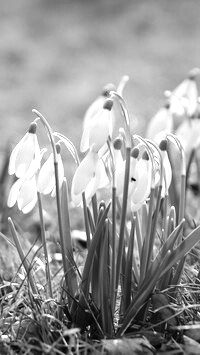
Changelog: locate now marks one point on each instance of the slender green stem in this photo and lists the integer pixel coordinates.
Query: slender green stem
(86, 220)
(146, 245)
(47, 267)
(191, 158)
(181, 214)
(113, 264)
(138, 233)
(95, 208)
(123, 216)
(62, 239)
(58, 199)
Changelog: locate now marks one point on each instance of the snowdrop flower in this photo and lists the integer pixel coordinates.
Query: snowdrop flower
(184, 97)
(24, 192)
(160, 124)
(141, 182)
(89, 176)
(95, 135)
(188, 133)
(92, 110)
(46, 177)
(26, 154)
(120, 170)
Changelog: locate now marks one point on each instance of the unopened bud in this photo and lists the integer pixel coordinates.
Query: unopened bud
(117, 144)
(33, 127)
(135, 152)
(108, 104)
(145, 155)
(163, 145)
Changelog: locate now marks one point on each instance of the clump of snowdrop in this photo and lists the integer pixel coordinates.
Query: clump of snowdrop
(139, 218)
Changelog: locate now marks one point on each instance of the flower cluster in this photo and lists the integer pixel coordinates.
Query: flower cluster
(105, 160)
(25, 163)
(180, 114)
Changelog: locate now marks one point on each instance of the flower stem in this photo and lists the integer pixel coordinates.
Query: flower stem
(47, 267)
(86, 220)
(113, 265)
(123, 216)
(58, 199)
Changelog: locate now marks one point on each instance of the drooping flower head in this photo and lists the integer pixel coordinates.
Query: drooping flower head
(24, 192)
(26, 154)
(184, 97)
(189, 135)
(95, 135)
(89, 176)
(142, 182)
(46, 177)
(161, 123)
(92, 110)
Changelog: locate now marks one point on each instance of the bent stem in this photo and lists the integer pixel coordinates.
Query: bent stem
(58, 198)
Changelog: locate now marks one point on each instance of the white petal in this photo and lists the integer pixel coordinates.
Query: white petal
(28, 208)
(27, 193)
(91, 111)
(99, 129)
(100, 175)
(143, 182)
(187, 93)
(11, 168)
(46, 178)
(84, 173)
(76, 199)
(188, 133)
(162, 121)
(25, 155)
(14, 192)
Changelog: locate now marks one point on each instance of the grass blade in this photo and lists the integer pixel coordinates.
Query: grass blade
(22, 256)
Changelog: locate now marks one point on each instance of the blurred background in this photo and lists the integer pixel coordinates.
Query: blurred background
(56, 55)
